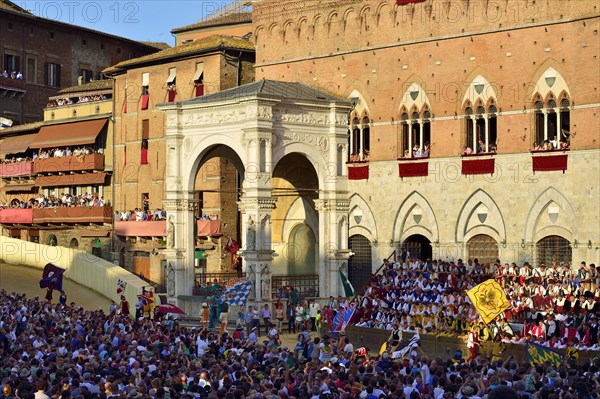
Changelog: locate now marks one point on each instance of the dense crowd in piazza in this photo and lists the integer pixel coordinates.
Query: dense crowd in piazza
(52, 350)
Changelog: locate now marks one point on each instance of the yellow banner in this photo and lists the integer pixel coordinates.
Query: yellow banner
(489, 300)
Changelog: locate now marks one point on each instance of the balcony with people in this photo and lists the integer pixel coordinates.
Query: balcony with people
(12, 82)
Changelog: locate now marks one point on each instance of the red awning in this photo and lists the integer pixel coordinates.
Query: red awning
(358, 172)
(18, 188)
(549, 163)
(413, 169)
(69, 134)
(145, 100)
(16, 144)
(16, 216)
(80, 179)
(209, 228)
(405, 2)
(94, 233)
(141, 229)
(478, 166)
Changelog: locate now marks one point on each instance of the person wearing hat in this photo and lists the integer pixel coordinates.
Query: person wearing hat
(204, 315)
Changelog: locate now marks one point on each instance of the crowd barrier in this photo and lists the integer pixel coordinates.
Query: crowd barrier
(443, 347)
(81, 267)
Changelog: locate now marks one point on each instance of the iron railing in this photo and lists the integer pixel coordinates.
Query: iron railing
(306, 285)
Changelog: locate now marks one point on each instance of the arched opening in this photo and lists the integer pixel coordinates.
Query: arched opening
(217, 188)
(74, 243)
(52, 240)
(483, 248)
(360, 265)
(418, 246)
(301, 251)
(295, 225)
(552, 249)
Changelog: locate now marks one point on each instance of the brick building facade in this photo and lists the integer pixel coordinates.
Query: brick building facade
(51, 55)
(454, 76)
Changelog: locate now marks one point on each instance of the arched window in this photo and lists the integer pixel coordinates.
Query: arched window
(52, 240)
(552, 123)
(416, 134)
(552, 249)
(481, 129)
(359, 145)
(360, 265)
(74, 243)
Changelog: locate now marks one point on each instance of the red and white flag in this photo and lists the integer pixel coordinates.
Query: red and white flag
(121, 286)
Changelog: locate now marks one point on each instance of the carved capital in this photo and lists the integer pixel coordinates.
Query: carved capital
(257, 203)
(180, 205)
(335, 205)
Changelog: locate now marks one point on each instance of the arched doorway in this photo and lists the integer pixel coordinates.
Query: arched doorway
(360, 265)
(552, 249)
(295, 225)
(74, 243)
(217, 188)
(301, 251)
(418, 246)
(52, 240)
(483, 248)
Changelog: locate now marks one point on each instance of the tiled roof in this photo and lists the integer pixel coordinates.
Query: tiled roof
(230, 19)
(158, 45)
(9, 5)
(25, 127)
(210, 43)
(269, 89)
(105, 84)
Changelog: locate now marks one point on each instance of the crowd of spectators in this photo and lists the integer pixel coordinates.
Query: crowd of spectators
(12, 75)
(65, 152)
(554, 305)
(65, 201)
(76, 100)
(140, 215)
(61, 351)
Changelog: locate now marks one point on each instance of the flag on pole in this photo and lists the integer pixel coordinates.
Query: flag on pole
(405, 347)
(236, 295)
(348, 288)
(52, 276)
(538, 354)
(121, 286)
(489, 299)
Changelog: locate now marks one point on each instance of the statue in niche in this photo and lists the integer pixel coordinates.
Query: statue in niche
(251, 234)
(170, 233)
(171, 280)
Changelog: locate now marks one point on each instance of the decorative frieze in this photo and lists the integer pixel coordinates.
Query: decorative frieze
(180, 205)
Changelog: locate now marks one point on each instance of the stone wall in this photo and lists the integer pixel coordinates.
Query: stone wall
(513, 206)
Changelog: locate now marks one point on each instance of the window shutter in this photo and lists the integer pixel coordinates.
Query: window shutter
(17, 66)
(145, 129)
(46, 73)
(58, 73)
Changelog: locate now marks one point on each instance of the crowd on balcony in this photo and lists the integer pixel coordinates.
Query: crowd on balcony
(12, 75)
(62, 351)
(66, 200)
(15, 159)
(358, 157)
(76, 100)
(140, 215)
(554, 144)
(66, 152)
(493, 148)
(554, 305)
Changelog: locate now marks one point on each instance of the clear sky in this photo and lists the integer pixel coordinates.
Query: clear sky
(146, 20)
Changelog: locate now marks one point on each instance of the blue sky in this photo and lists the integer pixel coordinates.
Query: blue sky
(147, 20)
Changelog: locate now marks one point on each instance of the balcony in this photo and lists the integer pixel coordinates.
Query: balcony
(158, 228)
(97, 214)
(16, 216)
(16, 169)
(13, 85)
(69, 164)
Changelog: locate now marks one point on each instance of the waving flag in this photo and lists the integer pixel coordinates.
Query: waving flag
(236, 295)
(121, 286)
(234, 281)
(232, 246)
(52, 277)
(348, 288)
(538, 354)
(342, 318)
(489, 299)
(405, 347)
